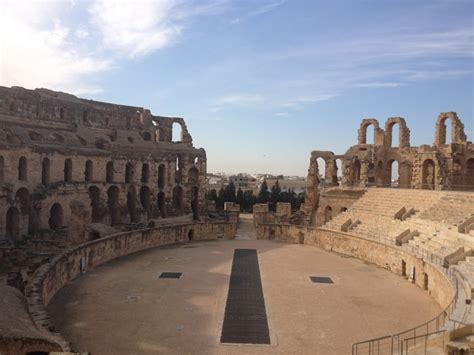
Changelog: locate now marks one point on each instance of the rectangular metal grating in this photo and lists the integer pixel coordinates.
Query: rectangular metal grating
(245, 319)
(171, 275)
(321, 280)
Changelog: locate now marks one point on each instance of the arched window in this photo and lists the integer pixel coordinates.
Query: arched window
(195, 202)
(2, 169)
(178, 199)
(68, 170)
(162, 204)
(131, 204)
(428, 174)
(128, 173)
(147, 136)
(109, 172)
(45, 167)
(394, 173)
(113, 203)
(88, 173)
(12, 224)
(356, 172)
(22, 169)
(193, 176)
(161, 176)
(145, 199)
(145, 173)
(94, 194)
(369, 134)
(22, 197)
(177, 132)
(61, 113)
(321, 171)
(56, 217)
(327, 214)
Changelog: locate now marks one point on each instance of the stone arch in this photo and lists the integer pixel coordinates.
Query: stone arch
(22, 198)
(470, 174)
(12, 224)
(68, 170)
(178, 169)
(145, 173)
(45, 171)
(405, 173)
(145, 199)
(337, 172)
(177, 132)
(178, 199)
(356, 170)
(366, 123)
(193, 176)
(96, 210)
(428, 177)
(113, 204)
(22, 169)
(131, 204)
(327, 214)
(393, 171)
(457, 129)
(128, 173)
(109, 172)
(161, 176)
(162, 204)
(2, 169)
(195, 202)
(321, 165)
(403, 132)
(89, 171)
(147, 136)
(56, 217)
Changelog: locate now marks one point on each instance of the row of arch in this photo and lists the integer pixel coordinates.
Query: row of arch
(193, 173)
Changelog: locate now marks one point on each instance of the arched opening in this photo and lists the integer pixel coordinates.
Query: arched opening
(22, 198)
(193, 176)
(113, 203)
(147, 136)
(425, 282)
(178, 199)
(380, 174)
(428, 175)
(394, 173)
(322, 171)
(404, 268)
(2, 169)
(191, 235)
(61, 113)
(343, 209)
(145, 173)
(22, 169)
(12, 224)
(457, 181)
(161, 204)
(177, 174)
(196, 161)
(45, 168)
(88, 171)
(109, 172)
(128, 173)
(445, 131)
(356, 172)
(177, 132)
(369, 134)
(371, 174)
(195, 202)
(337, 172)
(131, 204)
(393, 135)
(161, 176)
(94, 194)
(470, 174)
(145, 199)
(85, 117)
(68, 170)
(56, 217)
(327, 214)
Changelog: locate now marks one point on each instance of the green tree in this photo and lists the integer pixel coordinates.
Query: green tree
(220, 199)
(249, 200)
(240, 198)
(275, 195)
(229, 193)
(264, 194)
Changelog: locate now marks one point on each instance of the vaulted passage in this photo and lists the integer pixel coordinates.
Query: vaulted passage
(245, 319)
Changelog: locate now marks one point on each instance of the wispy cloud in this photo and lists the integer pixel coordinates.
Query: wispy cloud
(378, 85)
(265, 8)
(240, 99)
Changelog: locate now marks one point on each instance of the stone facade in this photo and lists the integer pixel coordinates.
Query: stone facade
(66, 161)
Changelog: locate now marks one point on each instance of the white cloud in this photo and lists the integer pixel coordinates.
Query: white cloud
(240, 99)
(265, 8)
(135, 27)
(36, 49)
(378, 85)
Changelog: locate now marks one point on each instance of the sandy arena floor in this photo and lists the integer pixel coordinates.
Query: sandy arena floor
(124, 308)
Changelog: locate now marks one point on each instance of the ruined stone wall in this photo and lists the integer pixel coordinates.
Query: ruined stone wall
(118, 162)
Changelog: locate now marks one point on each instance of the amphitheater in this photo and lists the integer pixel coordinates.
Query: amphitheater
(108, 246)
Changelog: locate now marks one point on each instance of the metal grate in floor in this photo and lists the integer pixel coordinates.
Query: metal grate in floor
(245, 319)
(321, 280)
(171, 275)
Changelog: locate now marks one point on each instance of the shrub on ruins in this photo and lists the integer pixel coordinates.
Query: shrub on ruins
(240, 198)
(249, 200)
(275, 196)
(264, 194)
(229, 193)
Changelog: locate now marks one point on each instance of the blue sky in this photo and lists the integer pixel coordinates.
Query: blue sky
(260, 83)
